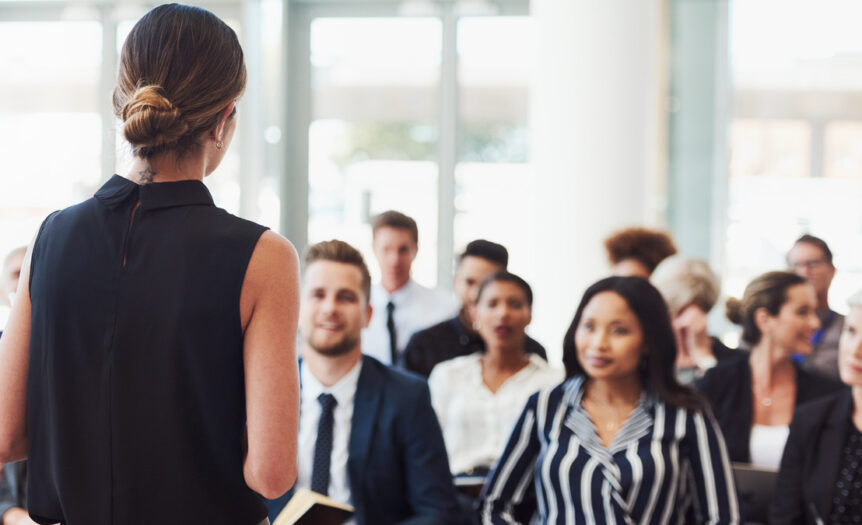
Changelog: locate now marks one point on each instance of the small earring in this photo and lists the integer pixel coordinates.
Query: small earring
(219, 144)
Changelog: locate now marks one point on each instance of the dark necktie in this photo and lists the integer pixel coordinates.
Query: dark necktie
(390, 326)
(323, 446)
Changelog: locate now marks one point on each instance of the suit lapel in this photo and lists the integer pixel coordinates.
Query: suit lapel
(823, 467)
(366, 403)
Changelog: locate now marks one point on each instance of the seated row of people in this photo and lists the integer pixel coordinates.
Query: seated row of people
(607, 428)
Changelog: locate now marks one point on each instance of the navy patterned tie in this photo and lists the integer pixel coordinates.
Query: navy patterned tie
(393, 337)
(323, 446)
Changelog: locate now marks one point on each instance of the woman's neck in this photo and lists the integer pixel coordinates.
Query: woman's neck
(614, 392)
(770, 364)
(166, 168)
(501, 357)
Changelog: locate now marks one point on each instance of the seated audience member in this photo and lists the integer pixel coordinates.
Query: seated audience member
(753, 399)
(13, 495)
(635, 252)
(811, 258)
(368, 435)
(690, 289)
(820, 479)
(621, 441)
(403, 306)
(479, 397)
(456, 337)
(9, 281)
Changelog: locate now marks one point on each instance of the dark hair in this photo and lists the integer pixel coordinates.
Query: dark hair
(180, 68)
(657, 370)
(649, 247)
(490, 251)
(506, 277)
(769, 291)
(397, 220)
(340, 252)
(818, 242)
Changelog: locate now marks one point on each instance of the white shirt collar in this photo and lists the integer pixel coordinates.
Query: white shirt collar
(343, 390)
(400, 295)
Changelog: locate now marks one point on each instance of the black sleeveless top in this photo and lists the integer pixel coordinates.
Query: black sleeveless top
(136, 393)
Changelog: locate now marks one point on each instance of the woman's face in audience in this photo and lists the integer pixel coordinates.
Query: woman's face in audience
(796, 321)
(850, 348)
(609, 338)
(502, 313)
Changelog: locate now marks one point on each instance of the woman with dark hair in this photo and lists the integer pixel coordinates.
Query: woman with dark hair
(820, 478)
(479, 397)
(148, 368)
(753, 399)
(620, 441)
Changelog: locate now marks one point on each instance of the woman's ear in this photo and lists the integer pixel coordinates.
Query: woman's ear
(218, 132)
(762, 319)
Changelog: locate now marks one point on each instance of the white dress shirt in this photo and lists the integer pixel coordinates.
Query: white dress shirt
(309, 416)
(767, 445)
(416, 308)
(477, 422)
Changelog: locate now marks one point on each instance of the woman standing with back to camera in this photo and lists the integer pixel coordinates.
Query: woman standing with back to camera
(160, 384)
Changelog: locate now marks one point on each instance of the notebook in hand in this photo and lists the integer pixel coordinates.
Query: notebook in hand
(310, 508)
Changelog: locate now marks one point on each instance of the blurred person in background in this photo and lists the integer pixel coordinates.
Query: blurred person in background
(820, 480)
(691, 289)
(478, 397)
(811, 258)
(635, 252)
(403, 306)
(148, 369)
(457, 336)
(753, 399)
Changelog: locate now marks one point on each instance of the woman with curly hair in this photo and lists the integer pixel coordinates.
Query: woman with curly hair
(635, 252)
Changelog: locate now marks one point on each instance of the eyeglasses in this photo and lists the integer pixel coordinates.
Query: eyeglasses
(813, 264)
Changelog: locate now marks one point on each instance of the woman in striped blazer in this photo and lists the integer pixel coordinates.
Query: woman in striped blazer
(621, 441)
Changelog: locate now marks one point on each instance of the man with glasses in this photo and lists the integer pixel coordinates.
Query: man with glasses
(811, 258)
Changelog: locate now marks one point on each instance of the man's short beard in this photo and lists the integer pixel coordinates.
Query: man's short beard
(338, 349)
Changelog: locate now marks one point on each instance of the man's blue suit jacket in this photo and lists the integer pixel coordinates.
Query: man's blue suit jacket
(397, 463)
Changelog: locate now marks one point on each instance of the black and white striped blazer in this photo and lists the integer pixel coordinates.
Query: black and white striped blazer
(666, 465)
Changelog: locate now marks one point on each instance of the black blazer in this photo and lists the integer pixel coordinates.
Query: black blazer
(397, 463)
(809, 467)
(728, 388)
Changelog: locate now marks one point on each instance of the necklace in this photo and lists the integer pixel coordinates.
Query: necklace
(762, 397)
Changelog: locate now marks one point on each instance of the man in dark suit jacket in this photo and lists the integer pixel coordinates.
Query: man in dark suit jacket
(455, 337)
(368, 435)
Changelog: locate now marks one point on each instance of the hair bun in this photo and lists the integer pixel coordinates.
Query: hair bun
(150, 120)
(733, 310)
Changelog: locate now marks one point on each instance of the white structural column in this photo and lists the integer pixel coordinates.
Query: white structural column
(598, 145)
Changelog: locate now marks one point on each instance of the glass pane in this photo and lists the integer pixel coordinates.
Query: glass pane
(49, 122)
(373, 137)
(495, 56)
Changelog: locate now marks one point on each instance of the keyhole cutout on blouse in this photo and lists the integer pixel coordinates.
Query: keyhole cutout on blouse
(129, 230)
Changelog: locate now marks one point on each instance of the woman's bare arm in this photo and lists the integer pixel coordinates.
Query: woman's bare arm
(14, 365)
(269, 307)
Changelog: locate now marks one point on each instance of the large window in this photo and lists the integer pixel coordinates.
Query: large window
(415, 106)
(795, 135)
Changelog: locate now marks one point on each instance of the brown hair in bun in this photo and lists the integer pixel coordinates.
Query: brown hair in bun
(769, 291)
(180, 68)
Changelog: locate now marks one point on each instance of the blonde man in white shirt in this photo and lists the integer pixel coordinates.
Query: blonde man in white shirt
(479, 397)
(403, 306)
(367, 433)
